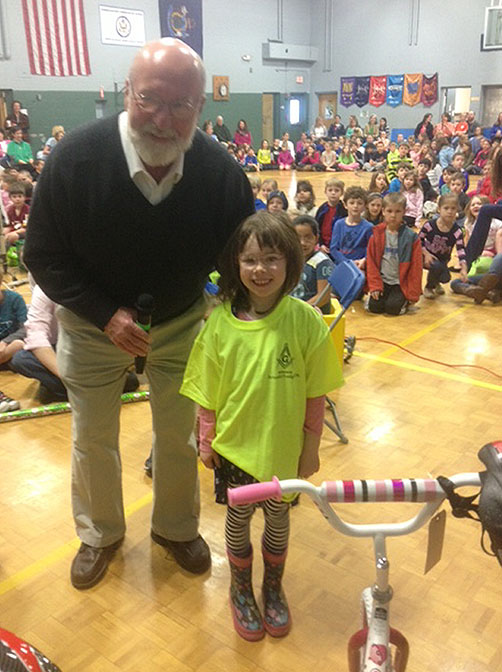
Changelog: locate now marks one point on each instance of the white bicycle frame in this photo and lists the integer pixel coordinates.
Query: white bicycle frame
(368, 648)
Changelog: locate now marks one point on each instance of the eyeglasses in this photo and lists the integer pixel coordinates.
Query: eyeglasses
(268, 261)
(179, 109)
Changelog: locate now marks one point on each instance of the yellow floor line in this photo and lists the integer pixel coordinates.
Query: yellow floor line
(63, 551)
(434, 372)
(411, 339)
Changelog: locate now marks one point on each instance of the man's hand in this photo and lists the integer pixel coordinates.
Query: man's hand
(123, 332)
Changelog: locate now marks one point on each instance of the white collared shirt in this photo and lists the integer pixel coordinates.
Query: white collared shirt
(153, 192)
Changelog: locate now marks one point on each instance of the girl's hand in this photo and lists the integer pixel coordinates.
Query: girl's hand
(210, 460)
(309, 461)
(324, 249)
(428, 259)
(463, 272)
(375, 295)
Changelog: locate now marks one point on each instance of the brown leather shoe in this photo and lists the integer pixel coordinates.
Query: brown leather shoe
(90, 564)
(476, 292)
(194, 555)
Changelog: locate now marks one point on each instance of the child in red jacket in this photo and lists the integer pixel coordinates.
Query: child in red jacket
(393, 261)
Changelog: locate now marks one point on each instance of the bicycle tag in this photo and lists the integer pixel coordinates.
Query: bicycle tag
(435, 540)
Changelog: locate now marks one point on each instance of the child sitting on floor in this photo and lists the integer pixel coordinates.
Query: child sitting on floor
(394, 261)
(317, 268)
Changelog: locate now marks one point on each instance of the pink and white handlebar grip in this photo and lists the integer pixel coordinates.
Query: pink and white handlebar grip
(256, 492)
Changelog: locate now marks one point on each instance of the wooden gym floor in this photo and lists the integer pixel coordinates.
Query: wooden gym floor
(403, 416)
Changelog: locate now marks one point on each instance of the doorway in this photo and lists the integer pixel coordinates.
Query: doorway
(491, 104)
(456, 100)
(327, 107)
(267, 117)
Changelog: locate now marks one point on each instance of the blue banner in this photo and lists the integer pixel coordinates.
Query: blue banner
(362, 91)
(395, 87)
(182, 20)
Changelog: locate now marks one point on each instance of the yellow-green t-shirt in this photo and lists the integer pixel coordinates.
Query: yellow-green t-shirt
(257, 376)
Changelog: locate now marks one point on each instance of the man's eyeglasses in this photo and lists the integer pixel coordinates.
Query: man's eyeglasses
(179, 109)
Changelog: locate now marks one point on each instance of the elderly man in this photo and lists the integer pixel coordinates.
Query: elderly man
(221, 131)
(141, 203)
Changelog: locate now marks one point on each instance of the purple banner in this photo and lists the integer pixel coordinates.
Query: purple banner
(347, 89)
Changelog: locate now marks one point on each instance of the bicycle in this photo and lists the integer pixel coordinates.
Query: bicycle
(369, 648)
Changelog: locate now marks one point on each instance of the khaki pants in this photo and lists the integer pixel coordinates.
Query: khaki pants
(93, 371)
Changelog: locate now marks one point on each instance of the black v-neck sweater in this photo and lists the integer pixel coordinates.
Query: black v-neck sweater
(94, 243)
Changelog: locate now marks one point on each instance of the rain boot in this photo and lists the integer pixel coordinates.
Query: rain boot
(277, 620)
(245, 612)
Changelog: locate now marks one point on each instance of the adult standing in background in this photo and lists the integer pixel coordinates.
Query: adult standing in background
(221, 131)
(148, 167)
(17, 119)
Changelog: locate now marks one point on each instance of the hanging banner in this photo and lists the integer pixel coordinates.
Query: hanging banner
(378, 88)
(347, 88)
(182, 20)
(362, 91)
(395, 84)
(412, 89)
(429, 90)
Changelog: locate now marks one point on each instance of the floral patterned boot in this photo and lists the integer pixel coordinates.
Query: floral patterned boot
(277, 620)
(245, 612)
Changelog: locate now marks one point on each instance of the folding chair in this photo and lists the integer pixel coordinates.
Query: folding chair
(346, 281)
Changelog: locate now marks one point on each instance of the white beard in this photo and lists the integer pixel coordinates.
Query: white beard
(154, 153)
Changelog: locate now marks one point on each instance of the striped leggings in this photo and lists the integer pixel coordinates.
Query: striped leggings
(276, 534)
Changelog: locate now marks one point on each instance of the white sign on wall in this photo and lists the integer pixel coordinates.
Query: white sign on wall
(122, 26)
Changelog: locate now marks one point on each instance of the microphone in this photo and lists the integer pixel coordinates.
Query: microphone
(145, 306)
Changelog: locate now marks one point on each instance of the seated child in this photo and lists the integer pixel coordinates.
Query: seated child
(329, 158)
(305, 199)
(457, 184)
(346, 160)
(12, 318)
(317, 268)
(373, 212)
(17, 214)
(255, 183)
(267, 186)
(438, 237)
(423, 168)
(393, 164)
(285, 159)
(351, 234)
(264, 156)
(330, 211)
(275, 150)
(444, 182)
(394, 261)
(414, 199)
(457, 163)
(250, 161)
(379, 184)
(311, 160)
(277, 202)
(397, 182)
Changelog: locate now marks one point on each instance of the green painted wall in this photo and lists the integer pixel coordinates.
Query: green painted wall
(245, 106)
(68, 108)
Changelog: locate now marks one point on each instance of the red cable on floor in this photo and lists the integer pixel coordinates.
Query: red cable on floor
(428, 359)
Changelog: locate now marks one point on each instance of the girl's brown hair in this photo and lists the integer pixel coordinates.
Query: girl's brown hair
(496, 172)
(373, 188)
(269, 231)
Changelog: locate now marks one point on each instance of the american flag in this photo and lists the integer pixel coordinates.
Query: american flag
(55, 37)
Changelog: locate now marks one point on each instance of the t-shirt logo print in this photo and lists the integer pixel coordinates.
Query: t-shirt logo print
(285, 358)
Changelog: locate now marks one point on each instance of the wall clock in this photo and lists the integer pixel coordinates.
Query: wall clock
(220, 87)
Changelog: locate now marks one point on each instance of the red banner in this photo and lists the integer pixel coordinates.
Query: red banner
(378, 90)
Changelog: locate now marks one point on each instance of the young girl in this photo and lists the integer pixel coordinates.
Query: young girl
(438, 238)
(305, 199)
(373, 212)
(346, 160)
(285, 159)
(412, 190)
(264, 156)
(379, 183)
(259, 371)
